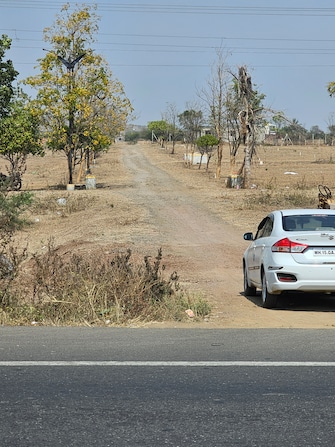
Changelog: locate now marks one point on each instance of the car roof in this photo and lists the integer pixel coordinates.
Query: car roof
(304, 211)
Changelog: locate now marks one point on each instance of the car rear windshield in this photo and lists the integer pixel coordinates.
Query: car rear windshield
(308, 222)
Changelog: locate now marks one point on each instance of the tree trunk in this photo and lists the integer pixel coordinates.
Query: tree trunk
(87, 156)
(232, 163)
(219, 161)
(70, 165)
(247, 166)
(200, 160)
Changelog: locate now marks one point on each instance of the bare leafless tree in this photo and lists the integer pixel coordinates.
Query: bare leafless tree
(214, 96)
(232, 110)
(170, 116)
(246, 120)
(251, 118)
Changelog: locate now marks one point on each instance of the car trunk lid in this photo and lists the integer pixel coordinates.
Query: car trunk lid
(320, 250)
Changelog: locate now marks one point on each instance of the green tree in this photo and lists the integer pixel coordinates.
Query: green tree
(206, 145)
(7, 76)
(19, 135)
(294, 132)
(81, 105)
(315, 133)
(191, 122)
(279, 121)
(159, 130)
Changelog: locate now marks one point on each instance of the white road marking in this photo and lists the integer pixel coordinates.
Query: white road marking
(211, 364)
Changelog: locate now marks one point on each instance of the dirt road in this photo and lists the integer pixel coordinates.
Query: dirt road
(147, 201)
(206, 251)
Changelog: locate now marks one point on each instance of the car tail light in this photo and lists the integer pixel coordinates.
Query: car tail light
(287, 246)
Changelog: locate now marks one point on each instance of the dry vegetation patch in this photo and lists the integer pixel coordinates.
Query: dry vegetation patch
(74, 289)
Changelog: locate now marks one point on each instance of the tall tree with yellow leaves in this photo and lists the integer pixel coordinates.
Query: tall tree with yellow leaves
(81, 106)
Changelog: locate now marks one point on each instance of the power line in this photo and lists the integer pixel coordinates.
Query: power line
(180, 36)
(158, 65)
(230, 50)
(188, 47)
(181, 9)
(173, 48)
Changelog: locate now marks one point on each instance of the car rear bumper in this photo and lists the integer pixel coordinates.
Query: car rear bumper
(308, 279)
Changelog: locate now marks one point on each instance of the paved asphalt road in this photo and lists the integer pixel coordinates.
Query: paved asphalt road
(145, 387)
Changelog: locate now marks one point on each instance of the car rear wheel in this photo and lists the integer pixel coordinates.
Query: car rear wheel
(248, 290)
(269, 301)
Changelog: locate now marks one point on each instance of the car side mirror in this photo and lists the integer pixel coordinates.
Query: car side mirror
(248, 237)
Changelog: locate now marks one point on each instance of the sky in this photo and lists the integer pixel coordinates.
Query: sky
(162, 51)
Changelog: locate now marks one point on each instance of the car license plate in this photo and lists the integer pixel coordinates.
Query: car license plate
(324, 252)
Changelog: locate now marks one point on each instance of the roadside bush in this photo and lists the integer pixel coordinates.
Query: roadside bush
(132, 137)
(85, 290)
(11, 208)
(12, 205)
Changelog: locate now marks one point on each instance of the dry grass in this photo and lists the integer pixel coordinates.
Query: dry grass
(63, 204)
(81, 290)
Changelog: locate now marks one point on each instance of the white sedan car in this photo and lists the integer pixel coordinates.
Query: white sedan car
(292, 250)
